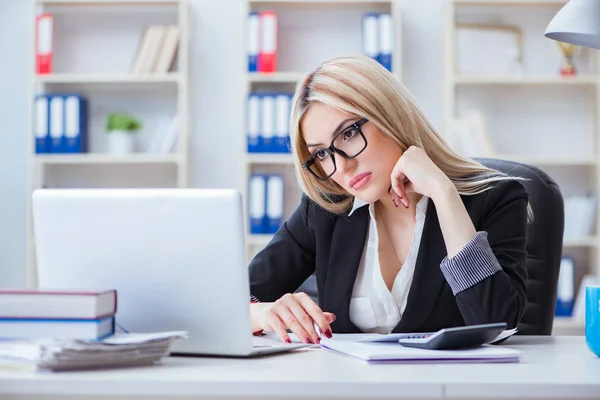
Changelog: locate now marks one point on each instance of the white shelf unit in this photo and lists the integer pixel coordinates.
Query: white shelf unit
(114, 29)
(537, 117)
(309, 32)
(117, 79)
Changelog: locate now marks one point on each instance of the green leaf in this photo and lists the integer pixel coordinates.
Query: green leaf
(122, 122)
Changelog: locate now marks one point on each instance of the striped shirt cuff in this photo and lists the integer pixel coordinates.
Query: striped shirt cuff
(254, 299)
(474, 263)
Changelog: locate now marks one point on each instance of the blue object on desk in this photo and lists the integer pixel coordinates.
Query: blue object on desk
(592, 318)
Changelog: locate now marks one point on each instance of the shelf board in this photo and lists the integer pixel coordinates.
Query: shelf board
(253, 2)
(108, 2)
(585, 241)
(100, 158)
(108, 78)
(525, 80)
(275, 77)
(258, 240)
(269, 158)
(568, 323)
(510, 2)
(550, 161)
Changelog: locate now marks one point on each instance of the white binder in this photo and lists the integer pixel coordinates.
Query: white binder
(370, 40)
(268, 122)
(57, 123)
(42, 139)
(253, 41)
(257, 203)
(254, 134)
(386, 40)
(274, 202)
(282, 106)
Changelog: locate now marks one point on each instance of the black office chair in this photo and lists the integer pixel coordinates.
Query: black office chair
(544, 246)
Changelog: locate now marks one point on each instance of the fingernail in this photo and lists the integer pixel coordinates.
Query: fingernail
(307, 340)
(328, 333)
(318, 340)
(288, 340)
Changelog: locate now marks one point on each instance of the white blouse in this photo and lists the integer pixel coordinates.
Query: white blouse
(374, 308)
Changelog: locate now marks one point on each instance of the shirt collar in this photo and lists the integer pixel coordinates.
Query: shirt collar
(421, 205)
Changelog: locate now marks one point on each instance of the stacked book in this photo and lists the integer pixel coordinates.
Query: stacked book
(157, 50)
(41, 314)
(69, 330)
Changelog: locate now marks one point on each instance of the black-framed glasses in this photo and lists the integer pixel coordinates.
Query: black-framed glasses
(349, 143)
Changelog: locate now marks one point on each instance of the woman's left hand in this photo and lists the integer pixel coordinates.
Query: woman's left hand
(415, 172)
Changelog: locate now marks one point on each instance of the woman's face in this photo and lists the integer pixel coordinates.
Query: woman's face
(366, 176)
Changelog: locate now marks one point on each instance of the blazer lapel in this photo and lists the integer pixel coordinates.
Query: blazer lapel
(428, 280)
(347, 245)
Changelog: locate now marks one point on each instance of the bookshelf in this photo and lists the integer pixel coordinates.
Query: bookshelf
(326, 28)
(533, 115)
(105, 78)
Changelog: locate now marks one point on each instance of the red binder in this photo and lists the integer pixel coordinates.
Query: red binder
(44, 43)
(267, 56)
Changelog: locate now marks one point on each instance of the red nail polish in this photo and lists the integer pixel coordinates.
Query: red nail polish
(288, 340)
(318, 340)
(308, 341)
(328, 333)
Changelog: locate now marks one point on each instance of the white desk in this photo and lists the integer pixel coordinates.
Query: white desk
(552, 367)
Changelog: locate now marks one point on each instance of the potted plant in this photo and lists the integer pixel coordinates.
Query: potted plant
(121, 131)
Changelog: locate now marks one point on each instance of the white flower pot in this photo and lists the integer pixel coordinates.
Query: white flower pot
(121, 142)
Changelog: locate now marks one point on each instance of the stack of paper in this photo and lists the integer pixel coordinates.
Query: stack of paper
(119, 350)
(378, 352)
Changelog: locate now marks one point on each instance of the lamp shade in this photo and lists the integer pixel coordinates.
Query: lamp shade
(578, 22)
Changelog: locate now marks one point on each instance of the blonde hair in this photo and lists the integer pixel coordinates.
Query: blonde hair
(360, 86)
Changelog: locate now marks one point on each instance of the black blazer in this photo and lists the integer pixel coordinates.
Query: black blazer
(314, 239)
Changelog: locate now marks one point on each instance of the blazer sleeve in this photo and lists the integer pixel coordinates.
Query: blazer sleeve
(288, 260)
(488, 276)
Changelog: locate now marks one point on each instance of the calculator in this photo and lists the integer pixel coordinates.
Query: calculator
(462, 337)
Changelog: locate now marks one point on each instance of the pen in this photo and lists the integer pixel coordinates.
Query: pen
(318, 330)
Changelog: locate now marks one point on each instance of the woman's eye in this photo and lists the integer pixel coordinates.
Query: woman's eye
(350, 133)
(321, 154)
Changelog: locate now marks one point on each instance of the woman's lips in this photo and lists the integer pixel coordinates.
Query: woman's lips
(360, 180)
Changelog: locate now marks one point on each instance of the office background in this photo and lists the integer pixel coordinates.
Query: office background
(217, 86)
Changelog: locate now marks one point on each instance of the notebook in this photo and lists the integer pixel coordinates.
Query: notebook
(389, 352)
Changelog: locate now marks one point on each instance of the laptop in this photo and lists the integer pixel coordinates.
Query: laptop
(177, 258)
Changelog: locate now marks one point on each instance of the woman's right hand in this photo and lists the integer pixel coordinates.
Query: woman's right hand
(297, 312)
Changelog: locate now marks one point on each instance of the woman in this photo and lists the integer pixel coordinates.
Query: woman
(404, 234)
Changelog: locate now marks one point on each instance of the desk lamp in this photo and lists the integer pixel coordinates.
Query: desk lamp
(577, 22)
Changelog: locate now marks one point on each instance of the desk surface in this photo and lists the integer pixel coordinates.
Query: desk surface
(551, 367)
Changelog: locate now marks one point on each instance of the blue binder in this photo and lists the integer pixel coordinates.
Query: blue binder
(386, 40)
(253, 42)
(268, 123)
(257, 191)
(253, 123)
(282, 120)
(274, 204)
(370, 35)
(42, 124)
(75, 124)
(57, 122)
(566, 288)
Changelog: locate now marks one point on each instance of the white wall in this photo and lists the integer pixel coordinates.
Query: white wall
(14, 99)
(217, 80)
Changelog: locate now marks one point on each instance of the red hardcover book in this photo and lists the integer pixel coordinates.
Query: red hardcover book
(44, 43)
(267, 56)
(57, 304)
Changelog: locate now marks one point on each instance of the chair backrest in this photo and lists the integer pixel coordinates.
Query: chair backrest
(544, 245)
